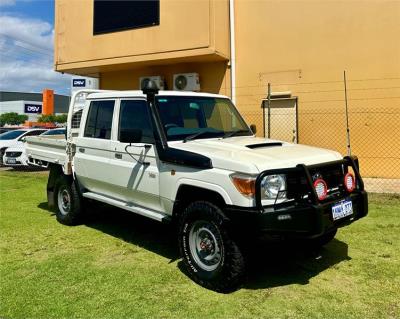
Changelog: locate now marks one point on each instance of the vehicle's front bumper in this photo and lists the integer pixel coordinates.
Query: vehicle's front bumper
(15, 161)
(308, 217)
(295, 220)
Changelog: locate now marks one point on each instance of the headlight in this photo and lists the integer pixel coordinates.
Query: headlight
(273, 186)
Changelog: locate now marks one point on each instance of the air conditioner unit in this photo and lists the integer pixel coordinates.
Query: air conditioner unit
(187, 82)
(159, 80)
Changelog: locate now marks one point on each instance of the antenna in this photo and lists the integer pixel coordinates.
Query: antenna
(269, 110)
(347, 115)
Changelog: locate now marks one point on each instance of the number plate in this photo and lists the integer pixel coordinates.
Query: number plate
(342, 209)
(11, 161)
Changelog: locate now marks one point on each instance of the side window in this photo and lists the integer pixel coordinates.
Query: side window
(34, 133)
(135, 115)
(99, 120)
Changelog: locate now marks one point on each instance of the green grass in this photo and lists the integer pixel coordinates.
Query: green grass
(120, 265)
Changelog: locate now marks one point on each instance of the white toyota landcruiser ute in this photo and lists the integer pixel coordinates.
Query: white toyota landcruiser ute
(191, 159)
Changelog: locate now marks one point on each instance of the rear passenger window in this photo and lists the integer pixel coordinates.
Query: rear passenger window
(134, 115)
(99, 120)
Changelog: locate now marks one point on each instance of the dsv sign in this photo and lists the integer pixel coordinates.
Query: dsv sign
(79, 82)
(33, 108)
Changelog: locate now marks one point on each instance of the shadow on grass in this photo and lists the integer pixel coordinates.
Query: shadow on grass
(135, 229)
(268, 264)
(45, 206)
(274, 265)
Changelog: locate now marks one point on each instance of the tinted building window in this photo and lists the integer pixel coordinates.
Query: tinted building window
(135, 115)
(118, 15)
(99, 121)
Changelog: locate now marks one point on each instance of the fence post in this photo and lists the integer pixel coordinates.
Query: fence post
(269, 110)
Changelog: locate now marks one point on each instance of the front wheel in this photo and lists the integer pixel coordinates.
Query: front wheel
(68, 202)
(210, 256)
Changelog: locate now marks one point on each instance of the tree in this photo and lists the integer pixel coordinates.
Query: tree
(12, 118)
(60, 119)
(46, 118)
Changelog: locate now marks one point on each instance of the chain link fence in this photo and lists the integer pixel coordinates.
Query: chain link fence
(374, 130)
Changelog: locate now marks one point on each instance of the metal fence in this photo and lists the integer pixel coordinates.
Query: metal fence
(374, 133)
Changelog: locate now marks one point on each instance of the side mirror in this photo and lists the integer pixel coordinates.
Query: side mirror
(130, 136)
(253, 128)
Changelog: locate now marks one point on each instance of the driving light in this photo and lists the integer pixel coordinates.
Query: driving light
(321, 188)
(246, 185)
(273, 187)
(349, 182)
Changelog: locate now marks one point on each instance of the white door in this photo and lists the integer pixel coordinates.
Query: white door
(283, 119)
(135, 173)
(92, 157)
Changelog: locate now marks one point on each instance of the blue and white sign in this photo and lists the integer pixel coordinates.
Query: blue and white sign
(33, 108)
(79, 83)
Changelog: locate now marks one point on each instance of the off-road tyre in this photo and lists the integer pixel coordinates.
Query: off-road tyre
(70, 213)
(230, 270)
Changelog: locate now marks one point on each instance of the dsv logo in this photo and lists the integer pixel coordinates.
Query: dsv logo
(33, 108)
(79, 82)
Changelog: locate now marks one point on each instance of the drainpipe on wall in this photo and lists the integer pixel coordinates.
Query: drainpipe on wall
(233, 49)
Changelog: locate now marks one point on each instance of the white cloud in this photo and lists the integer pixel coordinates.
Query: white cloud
(7, 3)
(26, 56)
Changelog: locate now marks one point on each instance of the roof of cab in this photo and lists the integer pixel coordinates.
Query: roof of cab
(131, 94)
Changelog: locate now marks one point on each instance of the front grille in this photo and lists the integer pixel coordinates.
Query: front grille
(13, 154)
(300, 181)
(333, 175)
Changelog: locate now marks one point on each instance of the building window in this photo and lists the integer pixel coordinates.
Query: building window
(119, 15)
(99, 119)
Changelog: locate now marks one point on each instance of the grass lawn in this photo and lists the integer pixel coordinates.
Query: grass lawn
(120, 265)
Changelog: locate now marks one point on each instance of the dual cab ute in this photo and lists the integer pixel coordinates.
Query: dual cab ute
(190, 158)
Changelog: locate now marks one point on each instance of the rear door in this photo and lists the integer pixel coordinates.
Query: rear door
(92, 157)
(135, 173)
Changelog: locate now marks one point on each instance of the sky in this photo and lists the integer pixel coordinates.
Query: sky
(26, 47)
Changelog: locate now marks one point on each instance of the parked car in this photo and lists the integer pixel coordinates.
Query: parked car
(7, 129)
(54, 131)
(10, 138)
(191, 159)
(15, 155)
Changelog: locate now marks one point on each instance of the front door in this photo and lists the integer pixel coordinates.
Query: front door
(135, 173)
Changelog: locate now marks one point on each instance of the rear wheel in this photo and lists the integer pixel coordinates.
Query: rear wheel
(211, 257)
(68, 202)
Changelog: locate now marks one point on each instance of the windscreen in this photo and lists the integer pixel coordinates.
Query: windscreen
(183, 116)
(11, 135)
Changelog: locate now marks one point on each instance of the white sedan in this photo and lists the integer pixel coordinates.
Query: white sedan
(11, 138)
(15, 155)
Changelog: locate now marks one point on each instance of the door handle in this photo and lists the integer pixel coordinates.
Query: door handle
(118, 155)
(82, 150)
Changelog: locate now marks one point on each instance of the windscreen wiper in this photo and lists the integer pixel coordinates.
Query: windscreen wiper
(193, 136)
(233, 133)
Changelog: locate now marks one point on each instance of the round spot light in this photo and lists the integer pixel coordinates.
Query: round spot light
(321, 188)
